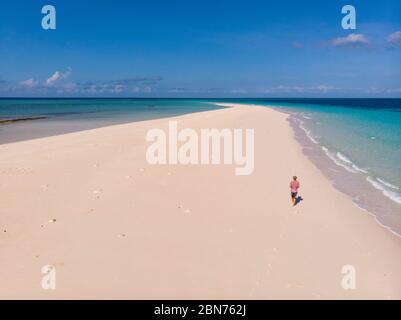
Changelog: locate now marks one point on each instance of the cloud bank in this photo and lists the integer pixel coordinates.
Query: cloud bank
(352, 40)
(395, 39)
(57, 76)
(55, 85)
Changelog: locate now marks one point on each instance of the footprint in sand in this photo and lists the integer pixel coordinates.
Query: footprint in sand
(96, 193)
(51, 221)
(188, 211)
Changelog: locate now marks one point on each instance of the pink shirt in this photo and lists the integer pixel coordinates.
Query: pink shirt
(294, 185)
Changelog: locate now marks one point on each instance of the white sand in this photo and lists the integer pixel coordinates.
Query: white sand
(125, 229)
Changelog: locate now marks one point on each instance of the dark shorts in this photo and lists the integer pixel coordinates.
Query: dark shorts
(294, 194)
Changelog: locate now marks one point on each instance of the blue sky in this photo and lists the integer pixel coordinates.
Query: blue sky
(191, 48)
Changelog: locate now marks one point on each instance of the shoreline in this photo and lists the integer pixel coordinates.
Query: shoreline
(349, 183)
(21, 129)
(374, 203)
(97, 211)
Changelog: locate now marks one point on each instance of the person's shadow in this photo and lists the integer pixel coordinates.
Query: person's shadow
(298, 200)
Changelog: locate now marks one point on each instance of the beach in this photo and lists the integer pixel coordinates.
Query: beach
(115, 227)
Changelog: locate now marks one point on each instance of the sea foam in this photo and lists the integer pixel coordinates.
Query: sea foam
(308, 133)
(376, 183)
(342, 161)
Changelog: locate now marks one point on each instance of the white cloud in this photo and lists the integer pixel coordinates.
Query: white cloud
(300, 89)
(58, 76)
(373, 90)
(238, 91)
(118, 88)
(395, 38)
(397, 90)
(323, 88)
(297, 45)
(351, 40)
(28, 83)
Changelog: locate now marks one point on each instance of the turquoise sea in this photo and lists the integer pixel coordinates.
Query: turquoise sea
(70, 115)
(355, 142)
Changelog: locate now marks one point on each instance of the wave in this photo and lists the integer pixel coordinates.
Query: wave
(338, 161)
(387, 189)
(388, 184)
(308, 133)
(338, 158)
(343, 161)
(343, 158)
(375, 182)
(360, 170)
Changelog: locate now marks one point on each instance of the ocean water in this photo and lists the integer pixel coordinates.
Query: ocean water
(99, 108)
(355, 142)
(71, 115)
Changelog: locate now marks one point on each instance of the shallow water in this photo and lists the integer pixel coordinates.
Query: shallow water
(71, 115)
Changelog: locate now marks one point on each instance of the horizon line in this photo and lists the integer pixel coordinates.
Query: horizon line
(204, 98)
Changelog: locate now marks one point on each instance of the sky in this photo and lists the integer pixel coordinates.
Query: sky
(200, 48)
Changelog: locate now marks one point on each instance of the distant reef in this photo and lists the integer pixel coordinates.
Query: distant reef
(12, 120)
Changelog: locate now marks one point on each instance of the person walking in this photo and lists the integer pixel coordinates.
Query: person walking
(294, 186)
